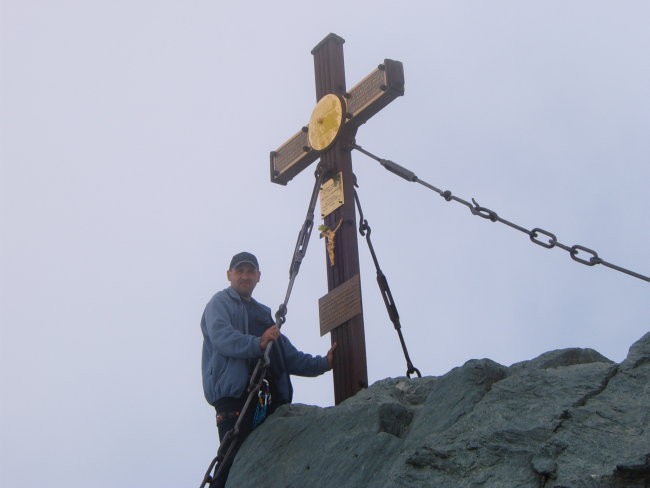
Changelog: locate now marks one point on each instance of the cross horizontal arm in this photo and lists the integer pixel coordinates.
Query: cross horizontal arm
(364, 100)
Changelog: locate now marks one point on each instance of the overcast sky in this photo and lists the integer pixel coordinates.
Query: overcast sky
(134, 163)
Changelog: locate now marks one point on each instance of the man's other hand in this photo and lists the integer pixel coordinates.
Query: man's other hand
(330, 356)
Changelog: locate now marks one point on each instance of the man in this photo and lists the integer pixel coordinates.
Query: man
(236, 330)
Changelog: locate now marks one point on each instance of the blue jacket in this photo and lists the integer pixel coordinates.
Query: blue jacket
(228, 347)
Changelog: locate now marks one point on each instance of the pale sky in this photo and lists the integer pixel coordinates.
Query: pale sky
(135, 140)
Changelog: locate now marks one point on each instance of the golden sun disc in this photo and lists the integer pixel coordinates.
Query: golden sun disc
(325, 122)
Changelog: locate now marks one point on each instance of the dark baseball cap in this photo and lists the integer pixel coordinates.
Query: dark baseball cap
(243, 257)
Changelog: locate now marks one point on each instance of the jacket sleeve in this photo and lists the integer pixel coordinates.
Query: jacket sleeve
(225, 338)
(300, 363)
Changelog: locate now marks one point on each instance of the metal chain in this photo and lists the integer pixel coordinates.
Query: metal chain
(230, 443)
(301, 245)
(391, 308)
(539, 236)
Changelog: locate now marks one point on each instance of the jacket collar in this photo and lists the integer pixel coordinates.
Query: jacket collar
(235, 296)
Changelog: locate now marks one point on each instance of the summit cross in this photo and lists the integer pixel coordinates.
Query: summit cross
(330, 136)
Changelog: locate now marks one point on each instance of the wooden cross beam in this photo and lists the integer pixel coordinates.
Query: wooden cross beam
(331, 131)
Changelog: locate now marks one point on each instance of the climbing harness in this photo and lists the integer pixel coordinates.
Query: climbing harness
(547, 240)
(391, 308)
(230, 443)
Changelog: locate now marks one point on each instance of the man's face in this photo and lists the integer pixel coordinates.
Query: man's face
(244, 278)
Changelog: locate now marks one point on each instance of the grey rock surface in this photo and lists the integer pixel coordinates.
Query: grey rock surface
(568, 418)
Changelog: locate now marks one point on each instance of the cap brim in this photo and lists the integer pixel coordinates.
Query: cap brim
(244, 262)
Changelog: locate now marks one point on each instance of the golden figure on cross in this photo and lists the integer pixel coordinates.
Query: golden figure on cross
(329, 235)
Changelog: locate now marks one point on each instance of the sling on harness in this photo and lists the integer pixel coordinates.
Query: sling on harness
(263, 403)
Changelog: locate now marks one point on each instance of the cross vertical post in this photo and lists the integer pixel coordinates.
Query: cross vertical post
(350, 366)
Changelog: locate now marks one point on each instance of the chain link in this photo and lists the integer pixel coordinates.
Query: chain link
(578, 253)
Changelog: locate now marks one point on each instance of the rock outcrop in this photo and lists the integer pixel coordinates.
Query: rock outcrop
(568, 418)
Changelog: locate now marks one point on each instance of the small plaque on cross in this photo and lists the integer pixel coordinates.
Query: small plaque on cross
(331, 195)
(340, 305)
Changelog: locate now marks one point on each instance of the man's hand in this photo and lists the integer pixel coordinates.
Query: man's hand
(270, 334)
(330, 355)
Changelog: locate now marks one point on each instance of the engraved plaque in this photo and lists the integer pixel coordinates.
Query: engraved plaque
(375, 91)
(366, 91)
(331, 195)
(340, 305)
